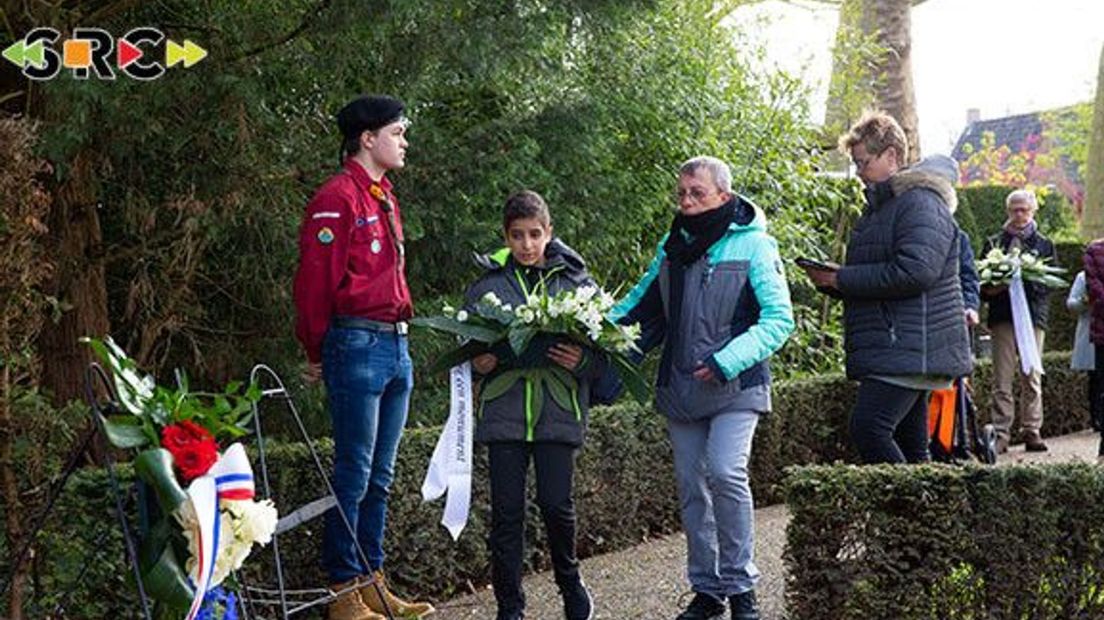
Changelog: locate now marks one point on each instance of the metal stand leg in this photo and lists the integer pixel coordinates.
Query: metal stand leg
(272, 387)
(99, 410)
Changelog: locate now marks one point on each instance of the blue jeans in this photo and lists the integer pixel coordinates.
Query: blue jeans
(718, 516)
(368, 378)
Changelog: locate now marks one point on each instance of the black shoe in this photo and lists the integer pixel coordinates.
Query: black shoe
(510, 615)
(744, 606)
(577, 601)
(703, 607)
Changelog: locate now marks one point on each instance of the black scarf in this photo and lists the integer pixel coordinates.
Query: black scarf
(705, 229)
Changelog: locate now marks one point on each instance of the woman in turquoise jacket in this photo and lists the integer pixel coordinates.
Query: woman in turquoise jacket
(716, 297)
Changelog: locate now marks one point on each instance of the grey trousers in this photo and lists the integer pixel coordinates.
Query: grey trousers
(711, 468)
(1006, 373)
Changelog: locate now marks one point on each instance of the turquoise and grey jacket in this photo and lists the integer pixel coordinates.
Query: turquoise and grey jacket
(736, 312)
(514, 416)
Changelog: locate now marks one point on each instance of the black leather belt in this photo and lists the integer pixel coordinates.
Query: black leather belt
(353, 322)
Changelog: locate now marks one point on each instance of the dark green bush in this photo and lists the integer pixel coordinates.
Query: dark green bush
(944, 542)
(624, 489)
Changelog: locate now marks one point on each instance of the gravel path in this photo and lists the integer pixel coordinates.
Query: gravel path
(647, 582)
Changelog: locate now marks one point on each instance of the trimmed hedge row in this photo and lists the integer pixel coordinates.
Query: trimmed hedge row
(939, 542)
(624, 488)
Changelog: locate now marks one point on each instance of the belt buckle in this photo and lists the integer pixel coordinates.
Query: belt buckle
(402, 328)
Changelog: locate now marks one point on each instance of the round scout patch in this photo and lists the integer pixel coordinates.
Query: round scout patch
(325, 236)
(376, 246)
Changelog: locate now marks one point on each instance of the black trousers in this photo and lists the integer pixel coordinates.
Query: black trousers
(890, 423)
(554, 464)
(1096, 395)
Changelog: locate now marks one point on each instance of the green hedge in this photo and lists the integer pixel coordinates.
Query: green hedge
(939, 542)
(624, 487)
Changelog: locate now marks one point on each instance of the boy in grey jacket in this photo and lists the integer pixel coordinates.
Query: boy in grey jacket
(508, 424)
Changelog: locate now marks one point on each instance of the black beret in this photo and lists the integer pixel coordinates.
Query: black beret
(368, 113)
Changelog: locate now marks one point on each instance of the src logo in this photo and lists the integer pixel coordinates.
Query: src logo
(94, 52)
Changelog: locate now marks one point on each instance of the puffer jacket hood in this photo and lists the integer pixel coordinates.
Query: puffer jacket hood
(557, 255)
(930, 173)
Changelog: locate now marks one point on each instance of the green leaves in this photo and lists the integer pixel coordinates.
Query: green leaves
(464, 329)
(127, 431)
(155, 468)
(225, 414)
(499, 384)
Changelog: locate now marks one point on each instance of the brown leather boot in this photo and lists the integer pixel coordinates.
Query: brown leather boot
(399, 608)
(1033, 442)
(350, 606)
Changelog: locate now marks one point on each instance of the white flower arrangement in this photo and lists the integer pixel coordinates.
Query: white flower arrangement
(578, 316)
(242, 523)
(998, 268)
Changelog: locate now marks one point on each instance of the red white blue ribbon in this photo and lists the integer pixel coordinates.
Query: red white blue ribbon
(230, 478)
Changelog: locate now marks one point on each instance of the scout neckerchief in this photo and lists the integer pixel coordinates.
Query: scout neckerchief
(385, 203)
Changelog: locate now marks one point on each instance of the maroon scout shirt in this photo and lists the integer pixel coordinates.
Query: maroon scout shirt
(349, 262)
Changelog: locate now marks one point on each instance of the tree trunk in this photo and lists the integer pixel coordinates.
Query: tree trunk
(885, 81)
(896, 94)
(1092, 217)
(78, 283)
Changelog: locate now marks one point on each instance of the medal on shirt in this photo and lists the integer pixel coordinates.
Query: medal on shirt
(325, 236)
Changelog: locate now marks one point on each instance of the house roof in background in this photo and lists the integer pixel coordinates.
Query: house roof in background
(1011, 130)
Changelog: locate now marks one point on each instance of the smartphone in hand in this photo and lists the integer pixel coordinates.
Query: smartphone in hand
(809, 263)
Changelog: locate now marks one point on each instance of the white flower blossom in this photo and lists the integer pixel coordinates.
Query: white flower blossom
(462, 316)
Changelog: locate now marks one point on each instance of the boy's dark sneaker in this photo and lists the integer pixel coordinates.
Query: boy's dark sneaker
(744, 606)
(577, 602)
(510, 615)
(703, 607)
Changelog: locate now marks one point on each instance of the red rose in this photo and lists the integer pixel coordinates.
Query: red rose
(193, 449)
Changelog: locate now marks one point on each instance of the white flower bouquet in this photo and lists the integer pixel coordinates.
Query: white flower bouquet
(998, 268)
(578, 316)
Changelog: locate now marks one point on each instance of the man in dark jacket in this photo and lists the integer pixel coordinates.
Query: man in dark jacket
(903, 310)
(1020, 231)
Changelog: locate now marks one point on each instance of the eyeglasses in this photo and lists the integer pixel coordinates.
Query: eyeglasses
(863, 163)
(695, 194)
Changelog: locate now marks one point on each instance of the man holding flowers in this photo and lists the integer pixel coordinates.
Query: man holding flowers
(1020, 235)
(716, 296)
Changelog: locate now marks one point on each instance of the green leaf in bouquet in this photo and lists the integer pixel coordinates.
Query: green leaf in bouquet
(631, 377)
(133, 389)
(520, 337)
(1053, 281)
(464, 329)
(560, 392)
(125, 431)
(536, 403)
(498, 385)
(155, 468)
(162, 572)
(458, 355)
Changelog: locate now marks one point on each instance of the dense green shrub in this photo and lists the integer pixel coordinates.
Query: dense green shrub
(939, 542)
(624, 488)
